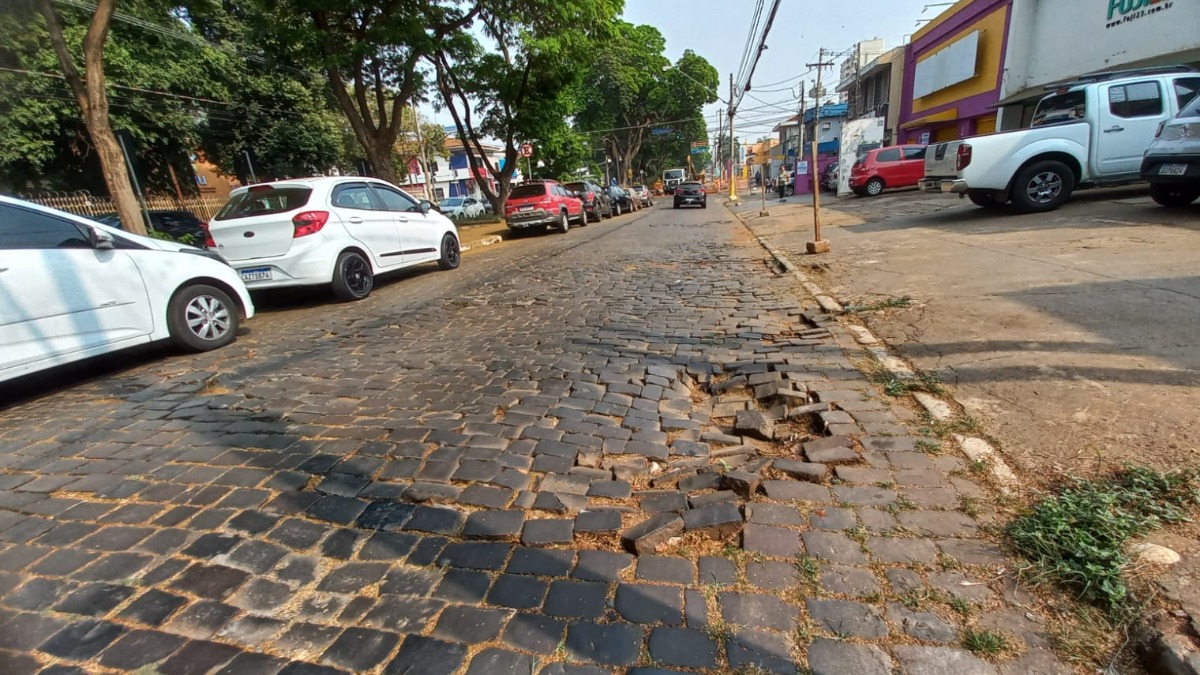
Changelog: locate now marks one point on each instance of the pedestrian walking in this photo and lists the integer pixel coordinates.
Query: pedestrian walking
(783, 181)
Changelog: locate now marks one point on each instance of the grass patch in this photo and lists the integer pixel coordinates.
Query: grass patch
(892, 385)
(984, 642)
(1077, 536)
(890, 303)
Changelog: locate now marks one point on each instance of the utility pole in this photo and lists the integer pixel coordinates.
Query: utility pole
(857, 85)
(817, 245)
(421, 153)
(719, 150)
(733, 195)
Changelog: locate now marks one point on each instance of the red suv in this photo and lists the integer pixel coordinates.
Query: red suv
(540, 204)
(894, 167)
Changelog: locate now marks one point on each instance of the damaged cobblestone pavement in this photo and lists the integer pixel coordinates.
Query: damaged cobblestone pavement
(633, 449)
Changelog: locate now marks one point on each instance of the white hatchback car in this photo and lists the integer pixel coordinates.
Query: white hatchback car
(71, 288)
(461, 207)
(334, 230)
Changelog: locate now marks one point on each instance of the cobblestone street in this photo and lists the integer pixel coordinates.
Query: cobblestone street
(630, 448)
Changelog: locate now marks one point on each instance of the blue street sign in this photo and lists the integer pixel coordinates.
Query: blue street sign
(700, 150)
(660, 131)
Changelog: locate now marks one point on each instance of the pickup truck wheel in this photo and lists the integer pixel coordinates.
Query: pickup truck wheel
(1043, 186)
(874, 187)
(1173, 196)
(985, 200)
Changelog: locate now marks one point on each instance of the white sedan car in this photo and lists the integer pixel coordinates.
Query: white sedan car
(71, 289)
(333, 230)
(459, 208)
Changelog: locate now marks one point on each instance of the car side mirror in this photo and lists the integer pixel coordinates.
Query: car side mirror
(102, 240)
(425, 206)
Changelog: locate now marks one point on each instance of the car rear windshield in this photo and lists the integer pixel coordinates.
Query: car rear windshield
(1192, 109)
(524, 191)
(576, 187)
(691, 186)
(1060, 108)
(263, 201)
(453, 201)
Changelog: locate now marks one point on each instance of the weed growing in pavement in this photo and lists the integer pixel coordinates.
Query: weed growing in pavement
(808, 570)
(928, 447)
(1077, 537)
(960, 605)
(984, 642)
(890, 303)
(719, 631)
(968, 505)
(893, 385)
(916, 599)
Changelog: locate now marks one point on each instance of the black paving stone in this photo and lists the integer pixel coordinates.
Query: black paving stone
(168, 569)
(472, 625)
(683, 647)
(577, 669)
(248, 663)
(402, 612)
(475, 555)
(256, 556)
(343, 484)
(713, 570)
(494, 525)
(198, 657)
(164, 541)
(140, 648)
(517, 592)
(534, 633)
(23, 631)
(340, 544)
(152, 607)
(202, 619)
(758, 611)
(598, 520)
(601, 565)
(665, 569)
(308, 638)
(388, 546)
(360, 649)
(428, 656)
(494, 661)
(81, 641)
(116, 538)
(209, 581)
(113, 567)
(757, 649)
(612, 644)
(459, 585)
(38, 593)
(94, 599)
(352, 577)
(341, 510)
(646, 603)
(547, 532)
(542, 562)
(436, 519)
(261, 594)
(297, 568)
(576, 599)
(409, 581)
(63, 562)
(382, 515)
(427, 550)
(297, 534)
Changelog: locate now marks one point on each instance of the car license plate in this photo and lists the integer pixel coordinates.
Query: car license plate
(524, 208)
(256, 274)
(1172, 169)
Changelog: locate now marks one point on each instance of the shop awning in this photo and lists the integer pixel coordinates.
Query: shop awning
(944, 116)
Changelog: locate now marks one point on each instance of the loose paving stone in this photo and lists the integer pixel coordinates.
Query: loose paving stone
(744, 484)
(646, 603)
(428, 656)
(758, 611)
(682, 647)
(662, 501)
(843, 617)
(360, 649)
(612, 489)
(601, 521)
(645, 537)
(806, 471)
(611, 644)
(925, 626)
(709, 498)
(755, 423)
(941, 661)
(576, 599)
(834, 657)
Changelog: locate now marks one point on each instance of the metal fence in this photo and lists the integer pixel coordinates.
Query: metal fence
(86, 204)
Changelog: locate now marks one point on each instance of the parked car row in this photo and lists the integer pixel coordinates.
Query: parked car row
(72, 288)
(538, 205)
(1104, 129)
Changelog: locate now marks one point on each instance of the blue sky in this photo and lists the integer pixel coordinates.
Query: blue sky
(717, 30)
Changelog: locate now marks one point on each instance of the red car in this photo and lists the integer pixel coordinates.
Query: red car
(892, 167)
(542, 204)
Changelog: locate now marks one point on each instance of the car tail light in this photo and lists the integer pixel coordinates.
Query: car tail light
(309, 222)
(964, 157)
(700, 191)
(1158, 131)
(208, 240)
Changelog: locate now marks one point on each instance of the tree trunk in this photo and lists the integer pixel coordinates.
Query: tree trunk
(93, 105)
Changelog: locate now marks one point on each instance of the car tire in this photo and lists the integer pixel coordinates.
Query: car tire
(874, 187)
(704, 204)
(564, 223)
(1173, 196)
(451, 252)
(202, 317)
(617, 209)
(352, 277)
(985, 199)
(583, 220)
(675, 205)
(1042, 186)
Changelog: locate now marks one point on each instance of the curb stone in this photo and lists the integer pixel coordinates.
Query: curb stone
(976, 448)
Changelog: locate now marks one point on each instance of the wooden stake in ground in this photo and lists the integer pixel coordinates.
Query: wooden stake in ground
(93, 104)
(817, 245)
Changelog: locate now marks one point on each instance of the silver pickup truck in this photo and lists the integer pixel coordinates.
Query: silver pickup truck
(1088, 133)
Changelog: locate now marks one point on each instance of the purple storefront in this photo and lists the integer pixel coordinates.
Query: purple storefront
(952, 73)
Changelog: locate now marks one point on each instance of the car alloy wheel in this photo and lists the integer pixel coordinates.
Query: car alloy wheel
(451, 252)
(202, 317)
(1044, 188)
(352, 279)
(874, 187)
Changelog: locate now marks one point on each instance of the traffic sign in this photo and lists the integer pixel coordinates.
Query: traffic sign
(697, 149)
(660, 131)
(527, 149)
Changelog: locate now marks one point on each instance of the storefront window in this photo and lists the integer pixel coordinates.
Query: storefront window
(1060, 108)
(1140, 99)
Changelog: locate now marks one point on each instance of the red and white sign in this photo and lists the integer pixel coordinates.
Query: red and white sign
(527, 149)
